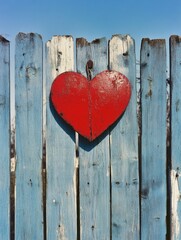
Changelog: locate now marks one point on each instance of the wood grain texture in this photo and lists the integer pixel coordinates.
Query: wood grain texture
(124, 147)
(153, 153)
(94, 161)
(4, 139)
(175, 76)
(60, 149)
(28, 104)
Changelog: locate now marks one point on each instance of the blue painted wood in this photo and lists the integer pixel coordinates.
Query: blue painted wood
(94, 161)
(153, 153)
(4, 139)
(124, 147)
(175, 76)
(60, 149)
(28, 105)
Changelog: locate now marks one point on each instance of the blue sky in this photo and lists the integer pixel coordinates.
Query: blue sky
(91, 18)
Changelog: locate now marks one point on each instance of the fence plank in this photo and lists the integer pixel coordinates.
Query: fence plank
(153, 162)
(175, 61)
(94, 171)
(60, 149)
(28, 104)
(4, 139)
(124, 147)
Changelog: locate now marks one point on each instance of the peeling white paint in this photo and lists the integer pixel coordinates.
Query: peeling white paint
(62, 53)
(108, 172)
(13, 164)
(61, 233)
(175, 228)
(123, 49)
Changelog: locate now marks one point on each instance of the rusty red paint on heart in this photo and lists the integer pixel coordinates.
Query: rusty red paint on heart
(90, 107)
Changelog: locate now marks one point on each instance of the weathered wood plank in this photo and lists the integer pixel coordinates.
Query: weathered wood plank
(28, 105)
(60, 149)
(124, 147)
(175, 76)
(4, 139)
(153, 140)
(94, 161)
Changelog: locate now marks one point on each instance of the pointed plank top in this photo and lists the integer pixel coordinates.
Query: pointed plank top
(31, 35)
(3, 40)
(82, 42)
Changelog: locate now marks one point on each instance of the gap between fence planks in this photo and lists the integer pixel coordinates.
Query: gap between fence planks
(175, 174)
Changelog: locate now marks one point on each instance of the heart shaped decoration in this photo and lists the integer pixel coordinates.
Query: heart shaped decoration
(90, 107)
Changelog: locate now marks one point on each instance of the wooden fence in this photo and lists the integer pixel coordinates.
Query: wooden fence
(123, 185)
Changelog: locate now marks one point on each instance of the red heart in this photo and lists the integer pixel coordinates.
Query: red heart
(90, 107)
